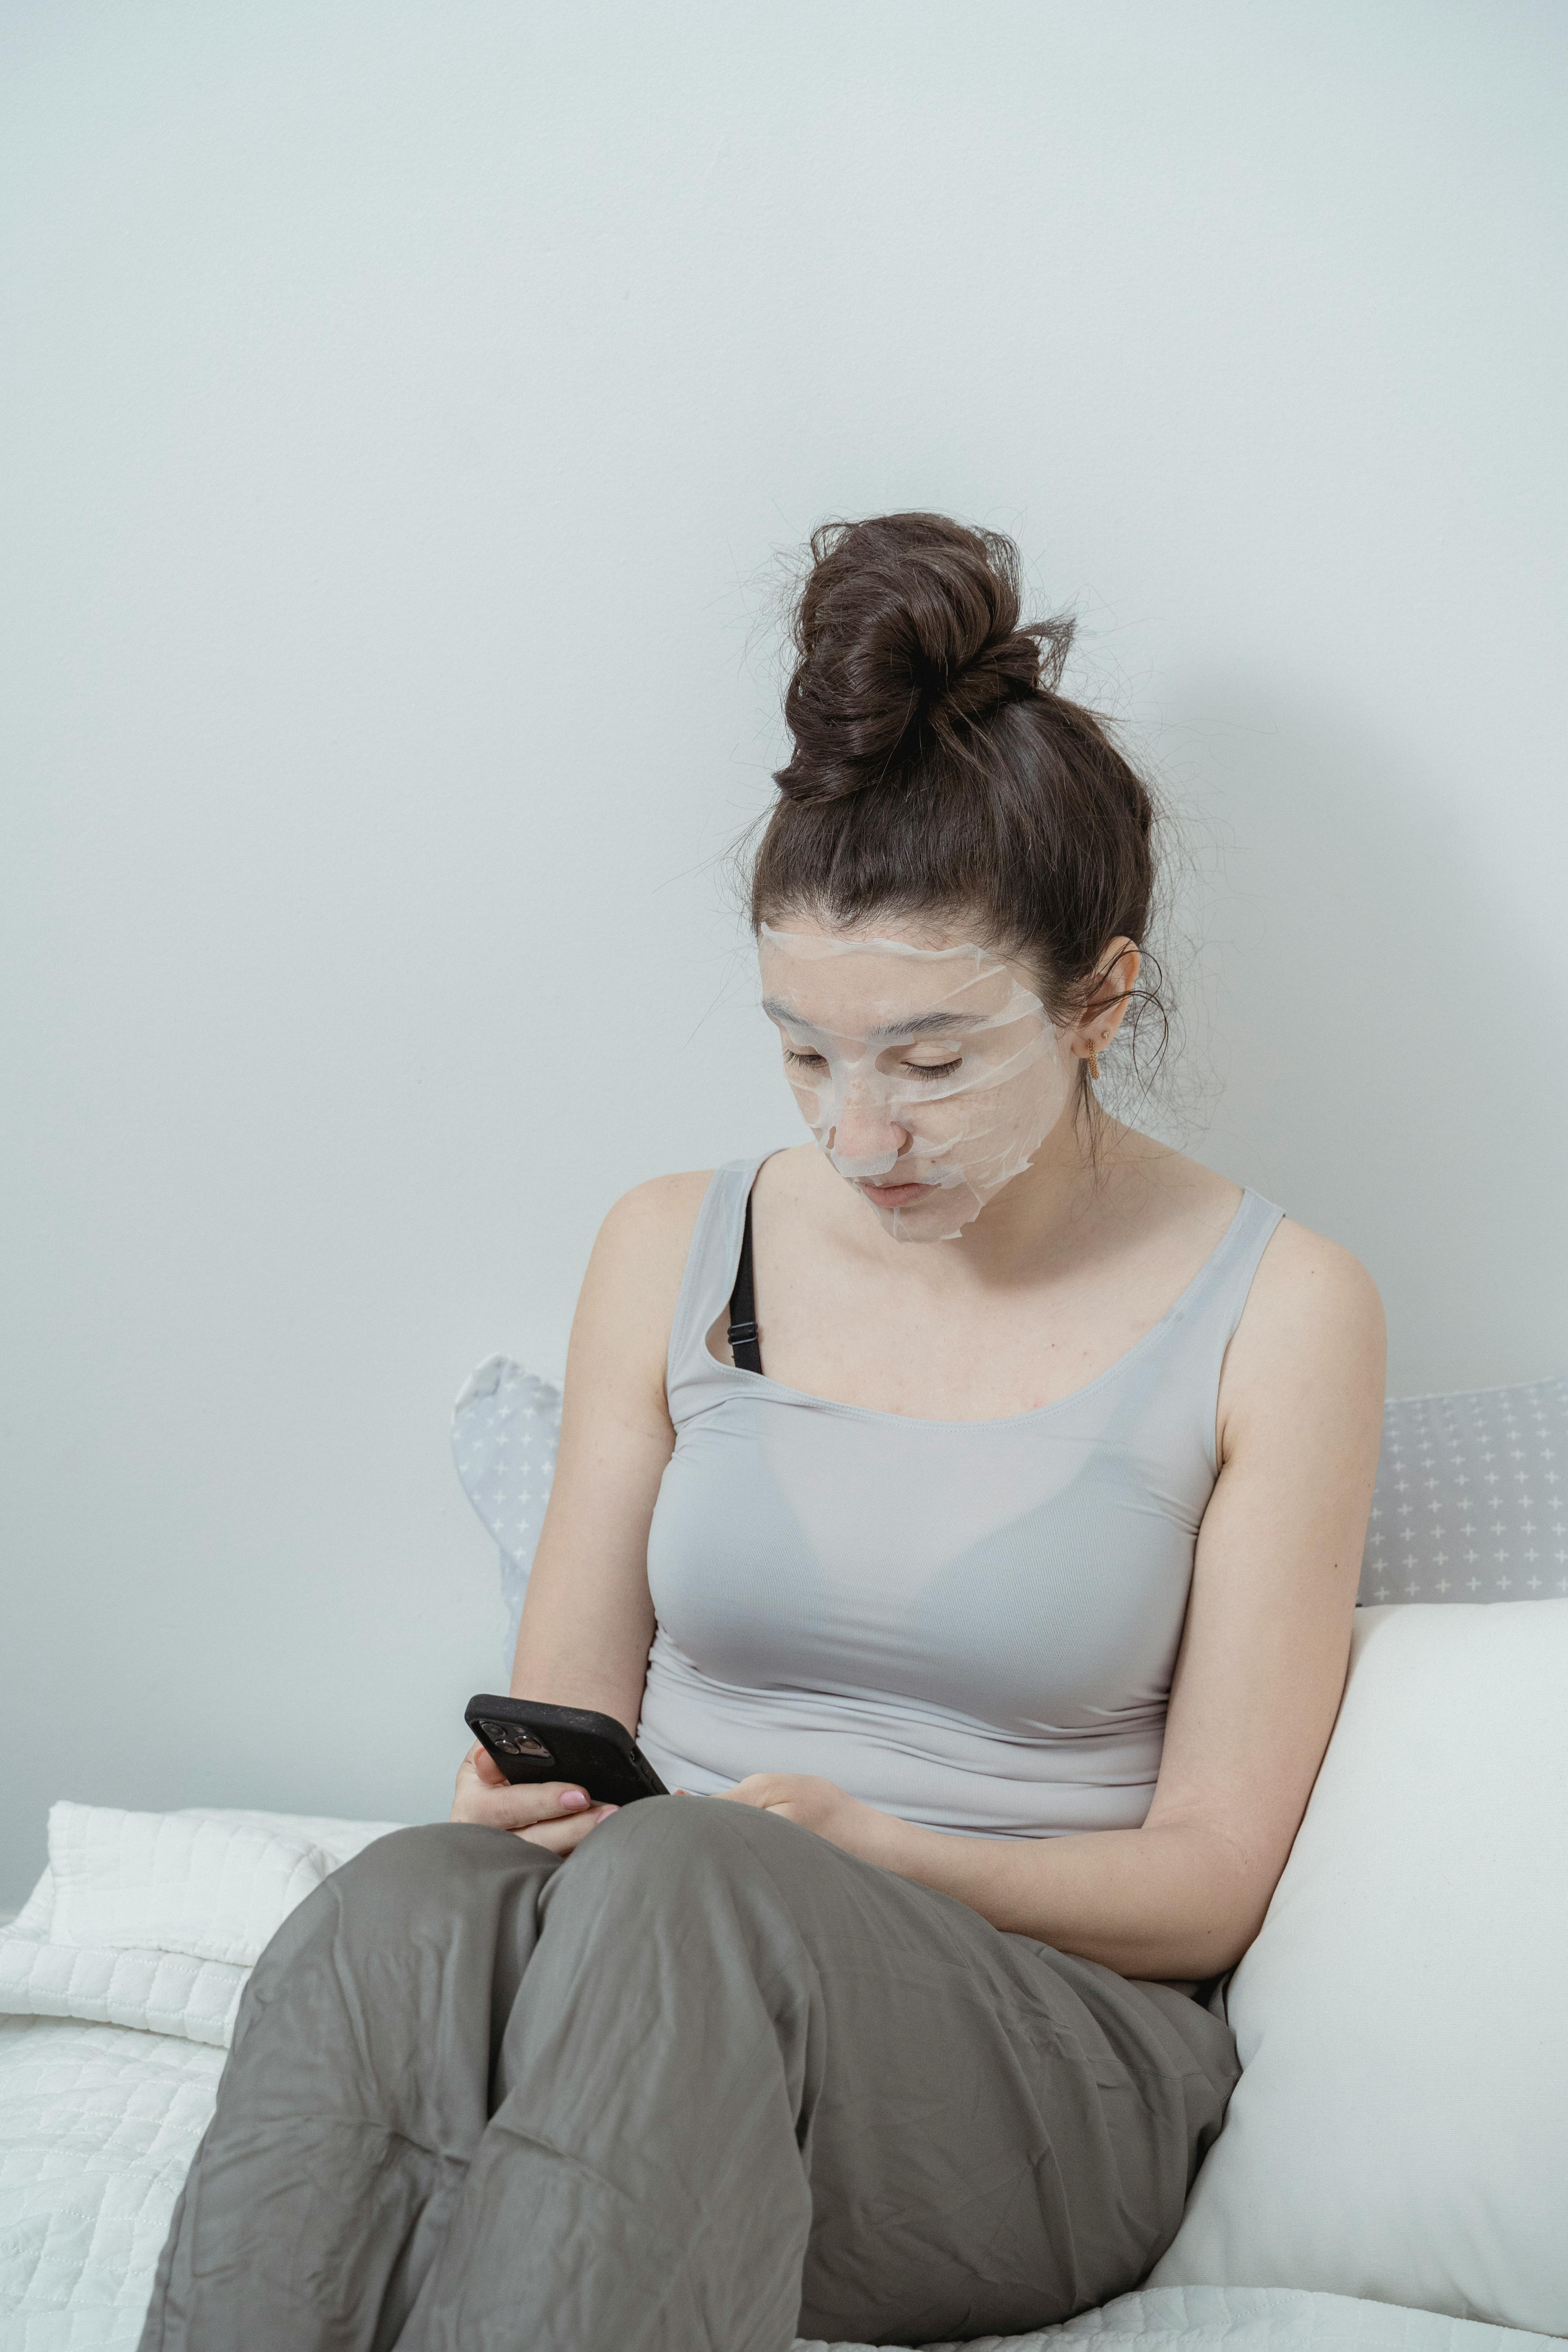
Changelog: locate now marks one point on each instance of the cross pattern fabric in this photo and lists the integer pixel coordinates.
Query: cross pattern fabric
(1472, 1498)
(506, 1426)
(1471, 1501)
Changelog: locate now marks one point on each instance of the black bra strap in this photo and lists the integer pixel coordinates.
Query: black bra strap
(745, 1340)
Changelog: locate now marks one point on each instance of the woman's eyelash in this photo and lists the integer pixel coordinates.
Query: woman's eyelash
(916, 1069)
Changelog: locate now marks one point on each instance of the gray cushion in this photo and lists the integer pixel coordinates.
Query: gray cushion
(1472, 1497)
(506, 1426)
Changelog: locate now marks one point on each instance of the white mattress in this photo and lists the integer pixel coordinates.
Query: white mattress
(98, 2123)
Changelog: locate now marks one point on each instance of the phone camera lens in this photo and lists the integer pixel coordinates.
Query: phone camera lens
(512, 1740)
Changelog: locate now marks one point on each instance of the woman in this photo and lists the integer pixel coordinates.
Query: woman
(986, 1591)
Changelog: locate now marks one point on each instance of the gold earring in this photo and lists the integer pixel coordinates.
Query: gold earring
(1093, 1061)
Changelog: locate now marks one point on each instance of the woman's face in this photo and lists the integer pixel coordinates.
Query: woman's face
(924, 1064)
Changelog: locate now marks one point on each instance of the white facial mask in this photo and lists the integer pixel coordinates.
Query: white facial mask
(862, 1018)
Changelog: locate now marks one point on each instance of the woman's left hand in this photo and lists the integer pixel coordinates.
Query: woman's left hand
(815, 1804)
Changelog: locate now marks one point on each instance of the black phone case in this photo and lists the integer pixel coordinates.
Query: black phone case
(595, 1750)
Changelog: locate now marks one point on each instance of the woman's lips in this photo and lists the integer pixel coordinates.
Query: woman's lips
(894, 1196)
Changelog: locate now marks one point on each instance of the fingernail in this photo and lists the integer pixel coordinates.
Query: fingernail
(605, 1811)
(573, 1801)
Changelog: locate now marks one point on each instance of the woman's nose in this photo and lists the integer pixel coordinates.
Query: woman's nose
(863, 1131)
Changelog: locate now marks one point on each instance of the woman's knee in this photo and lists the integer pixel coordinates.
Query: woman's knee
(710, 1830)
(429, 1868)
(665, 1844)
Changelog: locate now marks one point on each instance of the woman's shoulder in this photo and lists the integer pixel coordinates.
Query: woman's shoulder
(1298, 1269)
(628, 1300)
(660, 1215)
(1309, 1297)
(1305, 1280)
(1312, 1329)
(653, 1224)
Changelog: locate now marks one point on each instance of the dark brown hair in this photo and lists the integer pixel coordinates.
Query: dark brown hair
(936, 769)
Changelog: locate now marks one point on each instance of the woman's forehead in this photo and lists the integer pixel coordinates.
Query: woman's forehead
(869, 986)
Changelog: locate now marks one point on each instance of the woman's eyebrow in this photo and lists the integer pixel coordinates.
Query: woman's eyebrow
(919, 1024)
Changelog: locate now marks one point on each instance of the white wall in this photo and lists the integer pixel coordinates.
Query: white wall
(402, 408)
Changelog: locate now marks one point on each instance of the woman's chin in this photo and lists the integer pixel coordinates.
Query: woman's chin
(920, 1212)
(895, 1196)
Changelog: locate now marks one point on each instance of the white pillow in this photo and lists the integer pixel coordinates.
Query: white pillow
(154, 1920)
(212, 1889)
(1400, 2128)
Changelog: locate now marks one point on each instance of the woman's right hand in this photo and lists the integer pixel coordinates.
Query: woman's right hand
(556, 1814)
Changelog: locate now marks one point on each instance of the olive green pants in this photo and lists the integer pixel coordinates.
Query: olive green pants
(705, 2084)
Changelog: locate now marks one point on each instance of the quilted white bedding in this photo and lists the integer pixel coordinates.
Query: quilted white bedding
(121, 1977)
(156, 1919)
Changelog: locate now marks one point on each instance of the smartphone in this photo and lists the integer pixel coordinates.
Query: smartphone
(531, 1741)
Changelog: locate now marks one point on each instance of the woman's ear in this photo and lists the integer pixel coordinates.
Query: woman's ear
(1106, 999)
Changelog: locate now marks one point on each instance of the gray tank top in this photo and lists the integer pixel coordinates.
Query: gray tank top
(969, 1623)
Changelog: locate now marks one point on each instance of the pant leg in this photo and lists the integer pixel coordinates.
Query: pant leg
(360, 2083)
(754, 2084)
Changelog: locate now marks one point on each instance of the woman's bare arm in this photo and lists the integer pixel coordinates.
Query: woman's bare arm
(1259, 1677)
(587, 1622)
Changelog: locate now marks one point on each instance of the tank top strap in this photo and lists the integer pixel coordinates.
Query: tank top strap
(1213, 1308)
(1198, 1329)
(1236, 1261)
(710, 1278)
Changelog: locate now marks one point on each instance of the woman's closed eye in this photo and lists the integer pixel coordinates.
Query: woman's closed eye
(801, 1061)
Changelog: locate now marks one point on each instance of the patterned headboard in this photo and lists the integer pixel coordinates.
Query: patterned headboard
(1471, 1501)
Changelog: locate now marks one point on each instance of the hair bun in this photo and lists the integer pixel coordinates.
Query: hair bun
(908, 637)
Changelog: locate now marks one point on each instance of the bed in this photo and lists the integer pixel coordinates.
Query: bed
(1391, 2174)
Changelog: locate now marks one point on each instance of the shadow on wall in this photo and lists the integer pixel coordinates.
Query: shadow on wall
(1387, 1038)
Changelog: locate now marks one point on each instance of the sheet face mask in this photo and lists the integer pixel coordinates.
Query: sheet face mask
(940, 1045)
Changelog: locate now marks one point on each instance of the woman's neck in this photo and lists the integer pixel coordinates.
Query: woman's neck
(1082, 1175)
